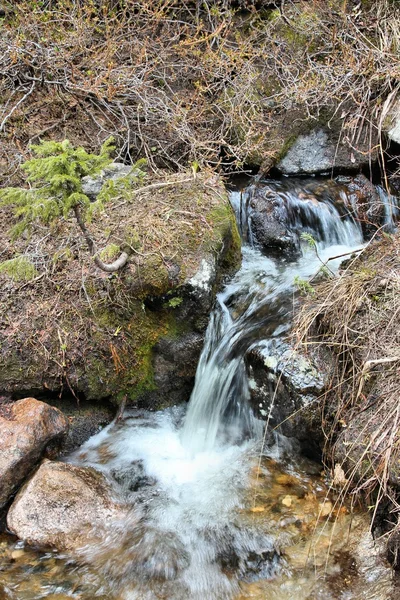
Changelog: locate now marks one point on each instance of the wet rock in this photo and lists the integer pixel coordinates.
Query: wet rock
(133, 552)
(364, 198)
(282, 211)
(28, 428)
(91, 186)
(269, 224)
(61, 505)
(85, 419)
(320, 151)
(175, 363)
(284, 387)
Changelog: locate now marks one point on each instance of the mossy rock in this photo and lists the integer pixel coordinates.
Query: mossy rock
(77, 329)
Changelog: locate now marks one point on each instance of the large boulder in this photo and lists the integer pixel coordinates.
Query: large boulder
(28, 428)
(110, 336)
(61, 506)
(321, 151)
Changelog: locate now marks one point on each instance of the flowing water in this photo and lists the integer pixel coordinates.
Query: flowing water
(212, 515)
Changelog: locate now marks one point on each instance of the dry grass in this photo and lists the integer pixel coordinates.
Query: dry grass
(180, 81)
(357, 317)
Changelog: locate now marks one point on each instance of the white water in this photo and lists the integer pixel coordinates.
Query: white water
(185, 476)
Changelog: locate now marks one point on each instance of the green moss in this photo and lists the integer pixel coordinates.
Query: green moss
(123, 365)
(19, 269)
(110, 252)
(226, 237)
(174, 302)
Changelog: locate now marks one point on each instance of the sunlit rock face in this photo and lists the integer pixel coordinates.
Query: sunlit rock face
(62, 506)
(27, 428)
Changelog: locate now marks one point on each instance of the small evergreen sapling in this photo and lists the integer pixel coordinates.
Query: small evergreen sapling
(55, 189)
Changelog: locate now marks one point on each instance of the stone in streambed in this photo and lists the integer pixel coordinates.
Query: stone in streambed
(27, 428)
(61, 506)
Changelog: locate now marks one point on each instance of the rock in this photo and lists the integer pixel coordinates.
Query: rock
(175, 364)
(85, 419)
(319, 151)
(364, 197)
(284, 386)
(268, 222)
(61, 505)
(28, 427)
(91, 186)
(392, 123)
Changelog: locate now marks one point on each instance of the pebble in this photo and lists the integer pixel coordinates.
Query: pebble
(288, 501)
(325, 509)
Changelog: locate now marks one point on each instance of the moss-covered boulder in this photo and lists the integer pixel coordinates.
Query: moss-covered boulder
(136, 334)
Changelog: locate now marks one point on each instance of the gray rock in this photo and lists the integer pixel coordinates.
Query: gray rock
(62, 506)
(27, 428)
(392, 122)
(320, 151)
(285, 384)
(91, 186)
(268, 223)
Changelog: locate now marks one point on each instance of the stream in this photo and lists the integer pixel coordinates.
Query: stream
(218, 510)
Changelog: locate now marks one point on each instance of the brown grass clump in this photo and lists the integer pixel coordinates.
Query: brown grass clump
(217, 82)
(357, 317)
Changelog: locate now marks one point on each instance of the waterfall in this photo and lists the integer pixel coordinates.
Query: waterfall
(218, 410)
(186, 484)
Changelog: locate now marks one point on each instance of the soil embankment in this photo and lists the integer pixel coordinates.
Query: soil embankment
(356, 316)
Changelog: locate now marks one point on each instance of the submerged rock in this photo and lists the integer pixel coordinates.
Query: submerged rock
(280, 212)
(269, 224)
(322, 151)
(28, 428)
(61, 506)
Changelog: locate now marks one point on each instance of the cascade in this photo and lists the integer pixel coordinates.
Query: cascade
(186, 473)
(200, 461)
(218, 410)
(193, 468)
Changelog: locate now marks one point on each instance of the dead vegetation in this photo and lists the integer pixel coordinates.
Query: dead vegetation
(223, 83)
(357, 317)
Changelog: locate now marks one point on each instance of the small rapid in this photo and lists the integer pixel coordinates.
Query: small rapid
(209, 510)
(256, 306)
(187, 476)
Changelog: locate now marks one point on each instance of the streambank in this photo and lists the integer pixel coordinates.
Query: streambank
(132, 336)
(355, 317)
